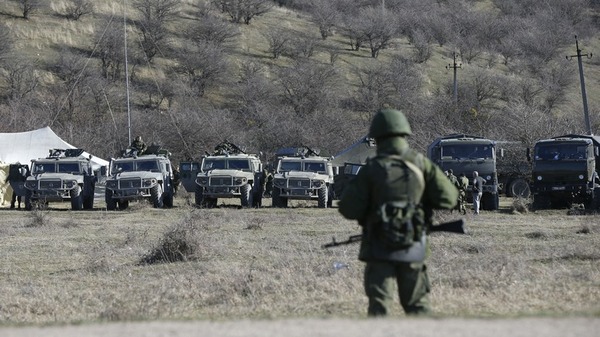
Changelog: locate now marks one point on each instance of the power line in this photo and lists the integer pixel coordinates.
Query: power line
(455, 66)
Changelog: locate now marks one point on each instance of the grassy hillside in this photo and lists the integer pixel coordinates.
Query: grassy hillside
(180, 119)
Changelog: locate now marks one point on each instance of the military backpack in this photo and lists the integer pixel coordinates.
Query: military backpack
(400, 184)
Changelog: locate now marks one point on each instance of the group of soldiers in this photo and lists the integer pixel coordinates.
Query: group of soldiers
(461, 182)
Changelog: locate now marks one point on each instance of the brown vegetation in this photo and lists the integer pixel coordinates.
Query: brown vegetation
(268, 263)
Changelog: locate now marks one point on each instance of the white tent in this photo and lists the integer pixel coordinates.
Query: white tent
(22, 147)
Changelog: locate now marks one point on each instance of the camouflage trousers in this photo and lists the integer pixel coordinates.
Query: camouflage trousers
(381, 279)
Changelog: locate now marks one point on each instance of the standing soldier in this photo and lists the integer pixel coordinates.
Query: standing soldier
(463, 182)
(393, 197)
(478, 183)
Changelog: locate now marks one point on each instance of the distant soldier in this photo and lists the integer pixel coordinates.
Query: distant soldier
(478, 183)
(453, 178)
(463, 184)
(176, 179)
(138, 146)
(16, 173)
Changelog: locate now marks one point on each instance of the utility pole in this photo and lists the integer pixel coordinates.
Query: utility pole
(586, 114)
(454, 66)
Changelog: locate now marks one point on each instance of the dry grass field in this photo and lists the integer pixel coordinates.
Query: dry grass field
(64, 267)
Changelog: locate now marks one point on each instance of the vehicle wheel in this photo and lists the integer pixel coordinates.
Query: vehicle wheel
(323, 196)
(28, 200)
(111, 204)
(88, 202)
(331, 196)
(246, 195)
(199, 195)
(540, 202)
(596, 199)
(277, 200)
(168, 199)
(156, 196)
(123, 204)
(76, 198)
(489, 202)
(518, 188)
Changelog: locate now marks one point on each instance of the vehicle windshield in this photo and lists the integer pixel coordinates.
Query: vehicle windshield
(290, 166)
(147, 165)
(470, 151)
(352, 169)
(222, 163)
(68, 168)
(560, 151)
(314, 166)
(123, 166)
(44, 168)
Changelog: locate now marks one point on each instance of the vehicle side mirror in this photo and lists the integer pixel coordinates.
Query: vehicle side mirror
(501, 153)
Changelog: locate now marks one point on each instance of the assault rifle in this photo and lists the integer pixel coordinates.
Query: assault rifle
(456, 226)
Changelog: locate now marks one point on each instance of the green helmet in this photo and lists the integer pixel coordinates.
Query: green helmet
(389, 123)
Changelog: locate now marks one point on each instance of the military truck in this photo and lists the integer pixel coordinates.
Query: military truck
(464, 154)
(65, 175)
(228, 172)
(565, 172)
(132, 177)
(301, 174)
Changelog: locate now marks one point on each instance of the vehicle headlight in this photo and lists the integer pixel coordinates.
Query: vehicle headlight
(539, 178)
(317, 183)
(488, 178)
(239, 181)
(69, 184)
(279, 182)
(202, 181)
(111, 184)
(31, 184)
(581, 177)
(148, 182)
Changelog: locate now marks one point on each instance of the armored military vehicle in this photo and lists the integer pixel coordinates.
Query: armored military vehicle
(148, 176)
(465, 154)
(302, 174)
(565, 172)
(229, 172)
(65, 175)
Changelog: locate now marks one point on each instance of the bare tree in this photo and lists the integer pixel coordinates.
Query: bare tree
(110, 49)
(375, 27)
(307, 87)
(75, 9)
(204, 65)
(278, 40)
(325, 15)
(244, 10)
(21, 78)
(6, 43)
(153, 24)
(29, 7)
(212, 29)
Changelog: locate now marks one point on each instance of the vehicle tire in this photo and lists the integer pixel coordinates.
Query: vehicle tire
(518, 188)
(88, 202)
(489, 202)
(246, 195)
(76, 198)
(199, 195)
(323, 196)
(540, 202)
(28, 206)
(111, 204)
(277, 200)
(596, 200)
(168, 199)
(156, 196)
(123, 204)
(331, 196)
